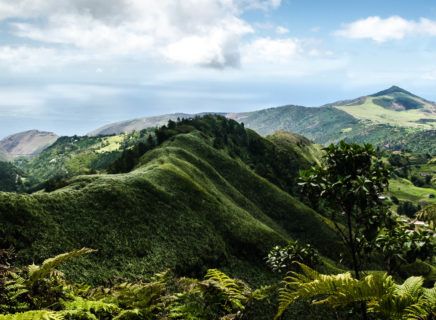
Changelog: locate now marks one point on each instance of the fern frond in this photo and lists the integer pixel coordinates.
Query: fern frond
(129, 315)
(39, 272)
(34, 315)
(424, 308)
(236, 291)
(335, 290)
(94, 307)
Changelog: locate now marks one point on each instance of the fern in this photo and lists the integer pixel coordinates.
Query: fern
(235, 291)
(130, 315)
(406, 301)
(13, 289)
(424, 308)
(48, 266)
(34, 315)
(98, 308)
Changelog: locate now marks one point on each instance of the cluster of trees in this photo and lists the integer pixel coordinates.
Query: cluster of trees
(350, 188)
(10, 177)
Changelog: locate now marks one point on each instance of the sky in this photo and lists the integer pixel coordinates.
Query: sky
(70, 66)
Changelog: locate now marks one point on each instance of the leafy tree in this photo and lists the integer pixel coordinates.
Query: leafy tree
(417, 181)
(399, 245)
(349, 186)
(407, 208)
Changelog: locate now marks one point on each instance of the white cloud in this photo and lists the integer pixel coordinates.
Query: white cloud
(281, 30)
(392, 28)
(272, 50)
(200, 32)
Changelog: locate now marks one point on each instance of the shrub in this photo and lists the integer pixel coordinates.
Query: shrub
(282, 259)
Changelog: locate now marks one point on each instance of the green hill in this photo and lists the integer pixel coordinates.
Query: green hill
(191, 203)
(395, 107)
(394, 119)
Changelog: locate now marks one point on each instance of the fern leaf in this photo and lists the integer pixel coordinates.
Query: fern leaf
(34, 315)
(39, 272)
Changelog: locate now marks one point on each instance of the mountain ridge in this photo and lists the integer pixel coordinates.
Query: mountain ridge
(27, 143)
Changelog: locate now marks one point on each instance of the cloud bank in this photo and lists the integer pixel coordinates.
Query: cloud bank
(392, 28)
(193, 32)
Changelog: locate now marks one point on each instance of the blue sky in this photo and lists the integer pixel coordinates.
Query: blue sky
(70, 66)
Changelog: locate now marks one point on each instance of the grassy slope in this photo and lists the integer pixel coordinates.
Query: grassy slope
(404, 190)
(187, 207)
(296, 144)
(359, 120)
(374, 113)
(321, 124)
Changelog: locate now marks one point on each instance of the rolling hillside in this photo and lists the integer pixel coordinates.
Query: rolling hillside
(190, 203)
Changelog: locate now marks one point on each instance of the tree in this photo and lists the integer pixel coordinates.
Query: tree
(349, 187)
(408, 208)
(399, 245)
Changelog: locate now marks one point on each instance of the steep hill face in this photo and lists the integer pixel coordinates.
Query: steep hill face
(28, 143)
(189, 204)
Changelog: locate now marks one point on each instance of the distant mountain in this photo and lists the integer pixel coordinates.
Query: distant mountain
(393, 118)
(394, 106)
(27, 143)
(140, 124)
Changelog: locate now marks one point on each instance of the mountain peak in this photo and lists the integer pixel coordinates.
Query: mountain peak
(391, 90)
(27, 143)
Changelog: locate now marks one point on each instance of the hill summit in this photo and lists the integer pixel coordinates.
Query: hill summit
(27, 143)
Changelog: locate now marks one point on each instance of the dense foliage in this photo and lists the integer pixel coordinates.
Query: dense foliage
(349, 187)
(385, 299)
(195, 196)
(42, 292)
(282, 259)
(10, 177)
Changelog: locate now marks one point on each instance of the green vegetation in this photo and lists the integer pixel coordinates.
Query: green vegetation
(187, 206)
(10, 177)
(349, 188)
(282, 259)
(42, 292)
(195, 197)
(393, 119)
(385, 299)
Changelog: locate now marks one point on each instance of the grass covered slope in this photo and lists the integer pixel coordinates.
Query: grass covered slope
(320, 124)
(394, 106)
(187, 206)
(393, 119)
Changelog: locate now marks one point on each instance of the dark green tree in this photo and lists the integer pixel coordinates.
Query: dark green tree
(349, 186)
(402, 246)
